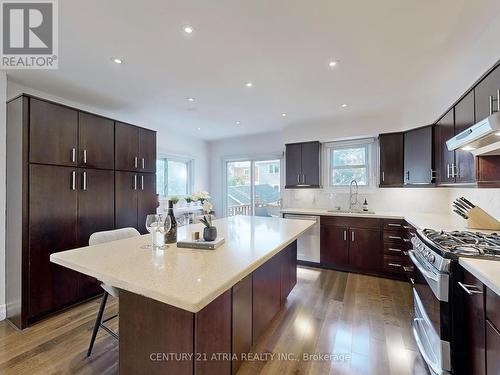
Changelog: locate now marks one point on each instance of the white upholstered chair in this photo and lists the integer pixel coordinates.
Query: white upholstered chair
(96, 239)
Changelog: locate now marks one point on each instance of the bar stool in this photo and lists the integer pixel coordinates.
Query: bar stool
(96, 239)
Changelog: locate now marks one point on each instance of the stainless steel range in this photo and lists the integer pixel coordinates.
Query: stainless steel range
(435, 255)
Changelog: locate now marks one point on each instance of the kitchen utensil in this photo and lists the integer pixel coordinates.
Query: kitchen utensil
(461, 205)
(467, 202)
(461, 214)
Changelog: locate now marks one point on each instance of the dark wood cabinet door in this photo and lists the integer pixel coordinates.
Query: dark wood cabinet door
(391, 159)
(293, 160)
(418, 156)
(126, 185)
(147, 150)
(53, 133)
(492, 349)
(52, 228)
(96, 140)
(242, 320)
(464, 160)
(489, 86)
(474, 318)
(334, 248)
(445, 159)
(266, 295)
(96, 212)
(310, 163)
(147, 202)
(126, 147)
(365, 250)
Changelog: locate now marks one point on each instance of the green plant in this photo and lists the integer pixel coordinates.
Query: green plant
(174, 200)
(207, 221)
(188, 199)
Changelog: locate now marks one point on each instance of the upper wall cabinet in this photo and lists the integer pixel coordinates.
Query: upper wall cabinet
(53, 133)
(391, 159)
(444, 159)
(303, 165)
(96, 141)
(135, 148)
(418, 156)
(487, 95)
(465, 171)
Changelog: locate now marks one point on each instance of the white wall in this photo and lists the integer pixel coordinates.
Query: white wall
(248, 146)
(3, 98)
(167, 142)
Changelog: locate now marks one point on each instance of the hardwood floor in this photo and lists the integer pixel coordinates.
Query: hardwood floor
(364, 320)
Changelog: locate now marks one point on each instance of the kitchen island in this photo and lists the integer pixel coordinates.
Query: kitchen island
(185, 311)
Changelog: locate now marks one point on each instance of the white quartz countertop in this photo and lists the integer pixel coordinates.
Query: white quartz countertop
(186, 278)
(418, 220)
(487, 271)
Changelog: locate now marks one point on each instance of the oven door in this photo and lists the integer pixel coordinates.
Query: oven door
(427, 320)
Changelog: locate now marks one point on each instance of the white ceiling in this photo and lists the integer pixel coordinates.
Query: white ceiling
(389, 52)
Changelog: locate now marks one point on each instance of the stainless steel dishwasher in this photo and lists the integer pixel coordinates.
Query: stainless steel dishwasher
(308, 244)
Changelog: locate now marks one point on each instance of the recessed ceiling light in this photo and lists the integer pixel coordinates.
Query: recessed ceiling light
(188, 29)
(118, 61)
(249, 84)
(190, 99)
(238, 122)
(333, 63)
(283, 115)
(344, 105)
(198, 128)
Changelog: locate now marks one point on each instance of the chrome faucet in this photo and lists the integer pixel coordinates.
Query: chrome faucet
(353, 196)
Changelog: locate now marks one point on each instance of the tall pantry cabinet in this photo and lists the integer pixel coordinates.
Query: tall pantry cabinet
(60, 189)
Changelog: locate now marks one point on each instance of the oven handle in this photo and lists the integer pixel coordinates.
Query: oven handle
(434, 366)
(421, 268)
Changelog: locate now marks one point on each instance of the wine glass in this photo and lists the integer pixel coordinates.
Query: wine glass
(152, 226)
(164, 227)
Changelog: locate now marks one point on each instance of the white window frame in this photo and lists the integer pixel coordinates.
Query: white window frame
(252, 159)
(190, 172)
(371, 162)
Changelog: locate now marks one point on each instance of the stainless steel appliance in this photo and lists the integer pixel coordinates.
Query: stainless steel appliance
(308, 245)
(435, 255)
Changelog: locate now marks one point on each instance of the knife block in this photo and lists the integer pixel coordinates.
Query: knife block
(480, 219)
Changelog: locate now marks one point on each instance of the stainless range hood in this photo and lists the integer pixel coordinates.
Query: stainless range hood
(482, 138)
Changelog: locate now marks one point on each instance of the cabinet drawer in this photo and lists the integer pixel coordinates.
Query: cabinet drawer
(394, 249)
(492, 349)
(393, 238)
(493, 308)
(394, 224)
(396, 264)
(354, 222)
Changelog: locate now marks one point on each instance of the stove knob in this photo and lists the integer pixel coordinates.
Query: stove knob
(432, 258)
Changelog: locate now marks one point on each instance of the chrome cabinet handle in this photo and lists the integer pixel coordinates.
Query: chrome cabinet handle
(394, 225)
(447, 170)
(298, 178)
(135, 182)
(136, 160)
(395, 250)
(383, 176)
(394, 264)
(498, 100)
(395, 238)
(491, 104)
(345, 235)
(84, 156)
(303, 178)
(352, 236)
(408, 175)
(142, 182)
(73, 180)
(468, 287)
(143, 163)
(73, 155)
(84, 187)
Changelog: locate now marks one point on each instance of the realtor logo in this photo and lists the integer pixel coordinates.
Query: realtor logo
(29, 34)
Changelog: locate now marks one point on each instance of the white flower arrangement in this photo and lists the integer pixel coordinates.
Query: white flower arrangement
(201, 196)
(207, 207)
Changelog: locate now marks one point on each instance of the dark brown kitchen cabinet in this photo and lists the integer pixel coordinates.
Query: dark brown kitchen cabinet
(135, 148)
(53, 133)
(96, 141)
(464, 160)
(492, 349)
(52, 190)
(334, 245)
(486, 93)
(135, 199)
(364, 249)
(61, 189)
(391, 152)
(418, 161)
(472, 297)
(445, 159)
(303, 165)
(242, 320)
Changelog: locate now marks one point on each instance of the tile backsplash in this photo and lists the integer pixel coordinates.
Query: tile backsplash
(428, 200)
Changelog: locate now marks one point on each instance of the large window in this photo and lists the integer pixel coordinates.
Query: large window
(348, 161)
(173, 177)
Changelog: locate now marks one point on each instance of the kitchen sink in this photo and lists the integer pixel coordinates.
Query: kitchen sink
(352, 212)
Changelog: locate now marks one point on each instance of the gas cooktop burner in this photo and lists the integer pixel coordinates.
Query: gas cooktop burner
(465, 243)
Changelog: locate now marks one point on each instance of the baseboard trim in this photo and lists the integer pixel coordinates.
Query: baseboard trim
(3, 312)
